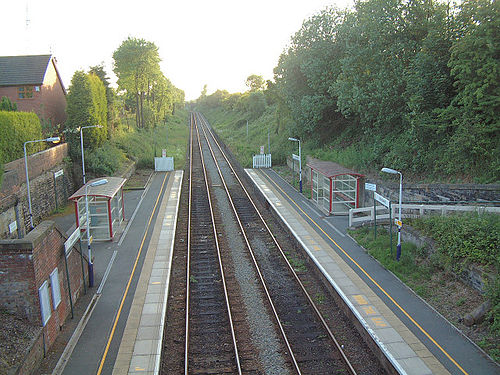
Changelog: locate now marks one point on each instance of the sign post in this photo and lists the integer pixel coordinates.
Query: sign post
(390, 227)
(386, 203)
(373, 187)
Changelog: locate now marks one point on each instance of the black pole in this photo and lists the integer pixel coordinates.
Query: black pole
(69, 285)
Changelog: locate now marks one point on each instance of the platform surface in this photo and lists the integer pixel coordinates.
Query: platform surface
(141, 344)
(415, 338)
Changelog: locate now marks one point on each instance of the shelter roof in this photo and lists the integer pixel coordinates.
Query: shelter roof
(23, 70)
(107, 190)
(331, 169)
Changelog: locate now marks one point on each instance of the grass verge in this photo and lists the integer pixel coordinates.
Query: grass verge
(438, 287)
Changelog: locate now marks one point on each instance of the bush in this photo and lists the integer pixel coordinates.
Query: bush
(464, 239)
(15, 129)
(105, 160)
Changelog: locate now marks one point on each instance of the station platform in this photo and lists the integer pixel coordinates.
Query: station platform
(140, 348)
(414, 337)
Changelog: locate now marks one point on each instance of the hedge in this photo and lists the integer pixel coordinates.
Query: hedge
(17, 128)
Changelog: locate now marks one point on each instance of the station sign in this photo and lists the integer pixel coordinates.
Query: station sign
(12, 227)
(370, 187)
(295, 157)
(59, 173)
(384, 201)
(75, 236)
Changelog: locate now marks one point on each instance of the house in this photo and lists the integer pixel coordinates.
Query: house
(34, 83)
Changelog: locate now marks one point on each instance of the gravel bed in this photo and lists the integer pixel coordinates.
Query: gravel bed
(260, 322)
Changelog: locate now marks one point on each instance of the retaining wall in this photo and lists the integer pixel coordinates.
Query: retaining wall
(47, 191)
(25, 264)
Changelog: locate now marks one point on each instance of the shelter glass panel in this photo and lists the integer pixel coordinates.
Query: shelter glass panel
(315, 186)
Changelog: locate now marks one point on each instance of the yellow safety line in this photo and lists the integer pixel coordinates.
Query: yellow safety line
(367, 275)
(99, 370)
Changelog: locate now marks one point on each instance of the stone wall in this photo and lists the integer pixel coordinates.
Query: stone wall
(444, 193)
(47, 192)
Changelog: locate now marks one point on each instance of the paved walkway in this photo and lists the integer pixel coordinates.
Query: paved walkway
(415, 338)
(140, 348)
(118, 266)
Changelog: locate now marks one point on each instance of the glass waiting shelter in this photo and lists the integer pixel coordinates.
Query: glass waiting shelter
(334, 189)
(106, 208)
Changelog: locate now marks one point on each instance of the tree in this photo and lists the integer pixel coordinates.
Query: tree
(475, 66)
(255, 82)
(112, 117)
(305, 74)
(86, 106)
(204, 91)
(137, 66)
(7, 105)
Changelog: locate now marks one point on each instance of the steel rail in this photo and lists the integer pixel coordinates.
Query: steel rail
(313, 305)
(261, 277)
(188, 257)
(219, 257)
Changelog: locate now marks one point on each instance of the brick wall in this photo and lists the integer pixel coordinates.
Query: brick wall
(44, 189)
(25, 264)
(33, 357)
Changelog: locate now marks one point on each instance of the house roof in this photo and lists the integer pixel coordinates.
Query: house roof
(23, 70)
(330, 169)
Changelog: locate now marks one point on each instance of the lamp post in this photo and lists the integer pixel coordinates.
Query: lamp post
(90, 264)
(393, 171)
(81, 146)
(50, 139)
(300, 163)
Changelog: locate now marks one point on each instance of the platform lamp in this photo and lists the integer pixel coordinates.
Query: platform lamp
(393, 171)
(50, 139)
(90, 263)
(300, 163)
(81, 146)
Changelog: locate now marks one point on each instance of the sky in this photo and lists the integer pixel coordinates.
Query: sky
(218, 43)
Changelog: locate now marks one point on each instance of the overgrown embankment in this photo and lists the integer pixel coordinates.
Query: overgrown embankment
(462, 242)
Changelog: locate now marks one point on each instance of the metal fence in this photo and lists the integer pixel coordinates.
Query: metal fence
(262, 161)
(165, 164)
(358, 216)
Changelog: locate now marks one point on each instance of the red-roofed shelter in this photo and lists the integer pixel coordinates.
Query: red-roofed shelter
(334, 189)
(106, 208)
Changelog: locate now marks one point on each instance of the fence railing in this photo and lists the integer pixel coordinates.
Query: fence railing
(164, 164)
(262, 161)
(364, 214)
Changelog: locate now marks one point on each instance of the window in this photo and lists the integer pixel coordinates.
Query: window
(43, 294)
(56, 290)
(25, 92)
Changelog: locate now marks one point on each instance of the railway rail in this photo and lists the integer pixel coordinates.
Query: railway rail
(216, 312)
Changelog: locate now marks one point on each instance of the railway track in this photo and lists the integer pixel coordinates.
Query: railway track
(230, 253)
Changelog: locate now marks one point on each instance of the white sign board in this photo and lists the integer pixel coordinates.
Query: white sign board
(370, 187)
(44, 296)
(59, 173)
(295, 157)
(163, 153)
(262, 150)
(12, 226)
(75, 236)
(385, 202)
(164, 164)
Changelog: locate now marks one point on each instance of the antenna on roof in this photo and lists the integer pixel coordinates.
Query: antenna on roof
(27, 16)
